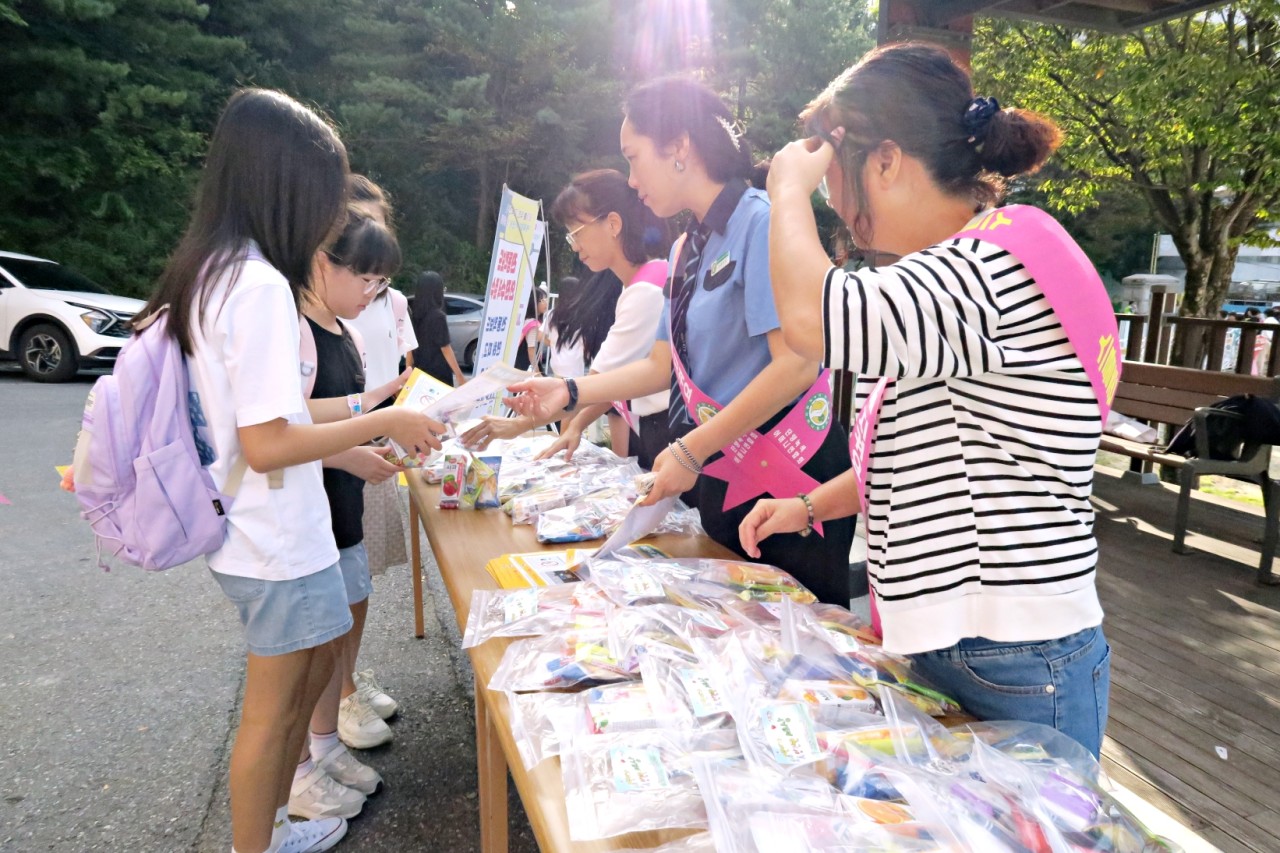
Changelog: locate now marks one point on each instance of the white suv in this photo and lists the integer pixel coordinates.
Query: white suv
(55, 321)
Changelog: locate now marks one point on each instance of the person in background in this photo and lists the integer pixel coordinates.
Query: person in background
(531, 331)
(720, 323)
(981, 548)
(270, 197)
(434, 354)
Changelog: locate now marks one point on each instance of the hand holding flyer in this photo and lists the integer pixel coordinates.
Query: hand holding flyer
(448, 405)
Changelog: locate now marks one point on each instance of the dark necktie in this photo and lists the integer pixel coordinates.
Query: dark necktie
(678, 421)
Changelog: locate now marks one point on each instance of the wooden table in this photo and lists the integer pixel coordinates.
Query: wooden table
(463, 541)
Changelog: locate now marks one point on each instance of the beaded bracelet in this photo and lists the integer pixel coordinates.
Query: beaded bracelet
(355, 405)
(693, 460)
(808, 505)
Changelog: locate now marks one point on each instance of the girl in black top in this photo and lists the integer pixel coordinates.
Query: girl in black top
(434, 354)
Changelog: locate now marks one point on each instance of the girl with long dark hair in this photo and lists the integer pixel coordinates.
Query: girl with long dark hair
(271, 196)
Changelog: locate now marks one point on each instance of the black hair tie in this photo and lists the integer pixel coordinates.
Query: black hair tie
(977, 118)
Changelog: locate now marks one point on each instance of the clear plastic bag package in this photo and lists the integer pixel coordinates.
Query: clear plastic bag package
(541, 723)
(561, 660)
(867, 662)
(636, 781)
(532, 611)
(593, 516)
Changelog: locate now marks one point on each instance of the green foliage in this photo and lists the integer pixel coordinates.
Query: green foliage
(101, 130)
(109, 103)
(1183, 114)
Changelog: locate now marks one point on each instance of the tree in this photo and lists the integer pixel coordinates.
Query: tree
(1184, 112)
(102, 128)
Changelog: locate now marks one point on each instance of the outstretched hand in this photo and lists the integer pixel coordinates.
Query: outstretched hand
(568, 441)
(539, 397)
(768, 517)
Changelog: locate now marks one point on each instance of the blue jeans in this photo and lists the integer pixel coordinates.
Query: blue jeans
(1063, 683)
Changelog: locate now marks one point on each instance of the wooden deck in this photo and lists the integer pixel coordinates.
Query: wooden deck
(1195, 664)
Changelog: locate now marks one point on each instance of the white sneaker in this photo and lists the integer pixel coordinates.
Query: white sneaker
(342, 767)
(316, 795)
(374, 696)
(314, 836)
(359, 726)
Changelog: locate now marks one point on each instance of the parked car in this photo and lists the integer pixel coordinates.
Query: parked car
(54, 321)
(464, 314)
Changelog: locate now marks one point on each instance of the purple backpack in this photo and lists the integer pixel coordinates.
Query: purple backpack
(138, 473)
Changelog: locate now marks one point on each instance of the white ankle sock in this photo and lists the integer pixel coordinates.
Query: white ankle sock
(304, 767)
(322, 745)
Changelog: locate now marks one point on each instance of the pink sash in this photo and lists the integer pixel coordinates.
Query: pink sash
(655, 273)
(1074, 292)
(756, 464)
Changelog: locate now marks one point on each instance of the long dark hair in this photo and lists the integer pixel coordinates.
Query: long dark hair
(598, 193)
(586, 312)
(669, 106)
(428, 295)
(916, 97)
(276, 174)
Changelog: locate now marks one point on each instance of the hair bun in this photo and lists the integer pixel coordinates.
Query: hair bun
(1017, 142)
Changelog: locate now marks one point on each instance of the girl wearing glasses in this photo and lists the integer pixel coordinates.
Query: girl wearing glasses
(611, 230)
(979, 527)
(719, 349)
(328, 781)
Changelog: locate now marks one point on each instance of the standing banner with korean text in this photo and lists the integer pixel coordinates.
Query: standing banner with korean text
(516, 247)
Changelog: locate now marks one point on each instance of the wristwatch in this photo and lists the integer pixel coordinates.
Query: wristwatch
(570, 384)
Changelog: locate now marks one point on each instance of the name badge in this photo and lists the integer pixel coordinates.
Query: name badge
(719, 263)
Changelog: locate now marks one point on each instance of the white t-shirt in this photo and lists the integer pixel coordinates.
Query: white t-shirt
(245, 370)
(567, 362)
(388, 335)
(631, 337)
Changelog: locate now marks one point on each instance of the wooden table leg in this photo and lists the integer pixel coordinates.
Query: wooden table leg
(491, 765)
(415, 564)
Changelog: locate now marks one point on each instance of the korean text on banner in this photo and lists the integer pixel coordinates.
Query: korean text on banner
(516, 247)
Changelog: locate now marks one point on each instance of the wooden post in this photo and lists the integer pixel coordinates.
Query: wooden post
(1161, 304)
(922, 20)
(415, 565)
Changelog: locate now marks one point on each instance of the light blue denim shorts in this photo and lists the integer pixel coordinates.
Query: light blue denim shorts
(354, 562)
(285, 616)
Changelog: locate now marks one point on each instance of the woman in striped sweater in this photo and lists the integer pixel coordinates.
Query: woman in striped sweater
(980, 539)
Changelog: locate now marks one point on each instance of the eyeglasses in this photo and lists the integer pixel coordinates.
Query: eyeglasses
(572, 237)
(371, 288)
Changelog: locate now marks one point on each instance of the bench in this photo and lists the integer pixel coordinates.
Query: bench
(1158, 394)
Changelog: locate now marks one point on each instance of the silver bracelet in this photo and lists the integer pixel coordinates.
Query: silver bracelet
(694, 465)
(675, 454)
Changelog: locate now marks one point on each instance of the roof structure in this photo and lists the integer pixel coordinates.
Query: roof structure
(905, 19)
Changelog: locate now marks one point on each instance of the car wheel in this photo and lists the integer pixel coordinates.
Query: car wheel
(469, 355)
(46, 354)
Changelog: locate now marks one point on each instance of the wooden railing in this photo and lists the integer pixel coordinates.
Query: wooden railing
(1207, 344)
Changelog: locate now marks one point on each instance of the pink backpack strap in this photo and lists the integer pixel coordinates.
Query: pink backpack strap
(400, 311)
